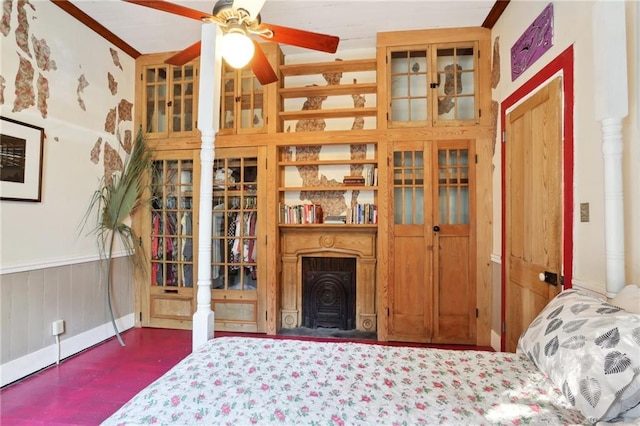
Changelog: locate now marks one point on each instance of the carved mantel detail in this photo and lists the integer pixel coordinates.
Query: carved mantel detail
(328, 241)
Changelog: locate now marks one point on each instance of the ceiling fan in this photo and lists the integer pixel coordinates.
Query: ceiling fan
(239, 19)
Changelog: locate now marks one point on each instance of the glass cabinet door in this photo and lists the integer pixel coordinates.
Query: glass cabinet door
(242, 105)
(183, 101)
(456, 85)
(408, 187)
(155, 89)
(172, 247)
(433, 85)
(409, 95)
(237, 289)
(453, 186)
(169, 100)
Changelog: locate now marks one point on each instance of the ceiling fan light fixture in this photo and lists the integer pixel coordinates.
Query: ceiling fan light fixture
(237, 48)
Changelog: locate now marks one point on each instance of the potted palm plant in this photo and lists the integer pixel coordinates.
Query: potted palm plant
(115, 200)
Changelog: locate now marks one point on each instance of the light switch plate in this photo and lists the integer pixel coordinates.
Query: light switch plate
(584, 212)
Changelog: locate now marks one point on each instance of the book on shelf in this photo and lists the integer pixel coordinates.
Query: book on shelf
(353, 180)
(363, 214)
(300, 214)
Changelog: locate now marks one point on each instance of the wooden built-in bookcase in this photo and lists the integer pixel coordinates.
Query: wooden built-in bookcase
(425, 94)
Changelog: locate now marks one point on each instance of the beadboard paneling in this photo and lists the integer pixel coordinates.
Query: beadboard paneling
(32, 300)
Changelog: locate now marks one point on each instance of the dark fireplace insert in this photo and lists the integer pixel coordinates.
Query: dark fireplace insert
(329, 292)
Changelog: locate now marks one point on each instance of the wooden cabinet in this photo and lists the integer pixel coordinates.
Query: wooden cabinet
(238, 240)
(168, 289)
(432, 78)
(432, 287)
(341, 179)
(244, 105)
(166, 97)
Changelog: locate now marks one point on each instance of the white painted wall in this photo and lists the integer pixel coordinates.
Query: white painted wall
(573, 24)
(44, 234)
(48, 268)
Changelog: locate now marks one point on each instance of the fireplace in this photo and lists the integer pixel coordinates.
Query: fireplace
(342, 296)
(328, 292)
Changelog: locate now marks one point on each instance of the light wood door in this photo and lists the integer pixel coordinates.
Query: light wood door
(238, 241)
(411, 244)
(432, 295)
(167, 293)
(454, 255)
(533, 181)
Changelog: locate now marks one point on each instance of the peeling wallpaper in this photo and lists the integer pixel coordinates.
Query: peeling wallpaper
(61, 76)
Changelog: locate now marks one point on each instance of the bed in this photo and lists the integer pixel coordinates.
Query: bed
(251, 380)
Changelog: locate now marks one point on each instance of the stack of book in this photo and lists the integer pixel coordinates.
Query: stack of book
(353, 181)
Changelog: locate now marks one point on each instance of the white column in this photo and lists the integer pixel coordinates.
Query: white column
(611, 106)
(613, 204)
(208, 124)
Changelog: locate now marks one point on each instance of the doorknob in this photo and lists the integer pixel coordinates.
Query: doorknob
(436, 228)
(548, 277)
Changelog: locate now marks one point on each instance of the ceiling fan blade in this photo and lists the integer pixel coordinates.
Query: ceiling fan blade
(176, 9)
(184, 56)
(302, 38)
(261, 67)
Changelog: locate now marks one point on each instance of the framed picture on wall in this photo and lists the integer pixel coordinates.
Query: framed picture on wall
(21, 151)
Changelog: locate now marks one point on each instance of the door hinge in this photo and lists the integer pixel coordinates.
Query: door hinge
(504, 327)
(140, 316)
(477, 313)
(266, 315)
(478, 54)
(476, 158)
(479, 112)
(504, 136)
(266, 120)
(265, 240)
(141, 77)
(387, 311)
(387, 116)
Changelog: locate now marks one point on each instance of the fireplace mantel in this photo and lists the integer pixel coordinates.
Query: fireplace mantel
(354, 241)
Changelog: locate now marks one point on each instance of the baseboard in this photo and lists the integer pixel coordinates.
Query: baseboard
(35, 361)
(496, 341)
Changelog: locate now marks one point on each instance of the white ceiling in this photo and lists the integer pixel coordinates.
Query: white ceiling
(355, 22)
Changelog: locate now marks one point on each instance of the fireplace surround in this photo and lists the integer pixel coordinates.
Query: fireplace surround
(350, 242)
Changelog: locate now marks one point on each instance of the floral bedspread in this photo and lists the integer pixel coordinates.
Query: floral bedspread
(243, 381)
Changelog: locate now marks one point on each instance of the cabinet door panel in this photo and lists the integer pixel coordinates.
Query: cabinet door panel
(238, 287)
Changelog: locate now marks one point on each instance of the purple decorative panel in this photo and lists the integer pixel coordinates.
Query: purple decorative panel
(536, 40)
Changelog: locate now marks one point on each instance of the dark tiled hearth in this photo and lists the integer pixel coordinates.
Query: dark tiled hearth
(328, 332)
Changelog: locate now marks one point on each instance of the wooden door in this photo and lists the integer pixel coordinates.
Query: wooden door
(533, 219)
(410, 316)
(238, 241)
(167, 288)
(454, 309)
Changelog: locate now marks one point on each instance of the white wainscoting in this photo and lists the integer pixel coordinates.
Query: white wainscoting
(35, 361)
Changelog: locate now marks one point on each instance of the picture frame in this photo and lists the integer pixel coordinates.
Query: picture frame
(21, 157)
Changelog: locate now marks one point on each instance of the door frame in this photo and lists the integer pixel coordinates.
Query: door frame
(561, 65)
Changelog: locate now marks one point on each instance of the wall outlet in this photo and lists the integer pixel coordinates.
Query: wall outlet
(57, 327)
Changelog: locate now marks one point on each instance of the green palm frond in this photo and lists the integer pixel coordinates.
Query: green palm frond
(115, 200)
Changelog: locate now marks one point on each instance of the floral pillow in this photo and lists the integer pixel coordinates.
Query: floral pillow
(591, 351)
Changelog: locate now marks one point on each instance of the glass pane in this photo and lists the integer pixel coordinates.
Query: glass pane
(442, 205)
(399, 86)
(465, 58)
(399, 62)
(177, 73)
(464, 205)
(418, 109)
(466, 83)
(466, 108)
(453, 205)
(151, 75)
(399, 110)
(409, 203)
(419, 206)
(397, 158)
(397, 206)
(418, 85)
